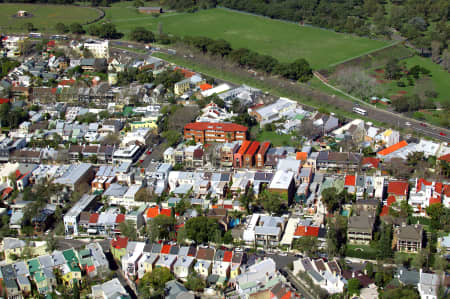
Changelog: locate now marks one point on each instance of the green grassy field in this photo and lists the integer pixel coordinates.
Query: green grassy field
(282, 40)
(44, 16)
(438, 81)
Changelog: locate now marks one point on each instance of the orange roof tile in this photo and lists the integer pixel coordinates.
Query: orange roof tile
(225, 127)
(390, 200)
(307, 231)
(167, 212)
(445, 158)
(393, 148)
(398, 188)
(384, 211)
(227, 256)
(205, 86)
(350, 180)
(435, 200)
(152, 212)
(165, 249)
(119, 242)
(302, 156)
(374, 162)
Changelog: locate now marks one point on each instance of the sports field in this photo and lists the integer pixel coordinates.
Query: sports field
(44, 17)
(282, 40)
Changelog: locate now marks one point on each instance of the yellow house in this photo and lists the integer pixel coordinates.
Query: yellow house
(150, 124)
(180, 87)
(71, 271)
(14, 247)
(235, 271)
(147, 263)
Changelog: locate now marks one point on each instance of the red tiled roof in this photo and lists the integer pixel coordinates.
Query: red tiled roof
(253, 148)
(445, 158)
(263, 148)
(435, 200)
(67, 82)
(398, 188)
(6, 192)
(120, 218)
(393, 148)
(371, 161)
(244, 147)
(302, 156)
(4, 101)
(227, 256)
(390, 200)
(167, 212)
(90, 269)
(307, 231)
(51, 43)
(93, 218)
(152, 212)
(226, 127)
(422, 181)
(438, 187)
(119, 242)
(186, 73)
(205, 86)
(384, 211)
(165, 249)
(350, 180)
(18, 174)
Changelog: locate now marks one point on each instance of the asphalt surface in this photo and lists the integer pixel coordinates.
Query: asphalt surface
(394, 120)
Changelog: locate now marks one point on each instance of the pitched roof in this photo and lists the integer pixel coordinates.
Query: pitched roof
(227, 256)
(435, 200)
(390, 200)
(205, 86)
(445, 158)
(120, 218)
(93, 218)
(302, 156)
(350, 180)
(165, 249)
(371, 161)
(226, 127)
(119, 242)
(167, 212)
(393, 148)
(398, 188)
(306, 231)
(152, 212)
(4, 101)
(205, 254)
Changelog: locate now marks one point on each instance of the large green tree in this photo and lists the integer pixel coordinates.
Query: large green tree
(202, 229)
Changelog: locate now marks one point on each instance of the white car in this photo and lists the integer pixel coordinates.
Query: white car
(407, 123)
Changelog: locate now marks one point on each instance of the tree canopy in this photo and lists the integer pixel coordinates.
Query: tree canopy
(202, 229)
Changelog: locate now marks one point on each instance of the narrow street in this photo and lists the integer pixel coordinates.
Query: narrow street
(299, 285)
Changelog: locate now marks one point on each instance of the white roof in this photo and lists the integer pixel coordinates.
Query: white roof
(281, 180)
(218, 89)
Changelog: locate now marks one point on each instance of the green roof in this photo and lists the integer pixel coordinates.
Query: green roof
(300, 116)
(39, 276)
(33, 265)
(72, 260)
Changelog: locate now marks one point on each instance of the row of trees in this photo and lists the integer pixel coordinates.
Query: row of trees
(299, 70)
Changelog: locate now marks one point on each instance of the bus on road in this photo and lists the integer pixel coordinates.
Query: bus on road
(359, 111)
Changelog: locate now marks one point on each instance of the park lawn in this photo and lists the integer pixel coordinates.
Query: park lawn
(44, 17)
(438, 80)
(274, 138)
(282, 40)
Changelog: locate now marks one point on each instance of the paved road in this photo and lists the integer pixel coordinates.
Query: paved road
(299, 285)
(394, 120)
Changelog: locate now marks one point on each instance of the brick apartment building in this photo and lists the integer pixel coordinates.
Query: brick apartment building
(215, 132)
(249, 156)
(261, 155)
(239, 156)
